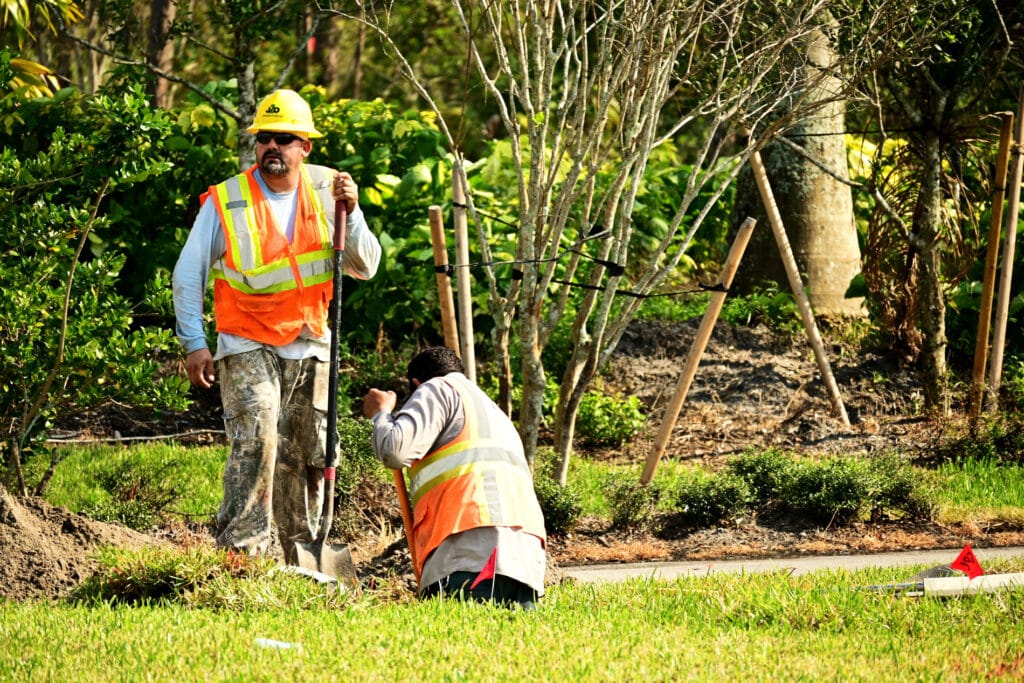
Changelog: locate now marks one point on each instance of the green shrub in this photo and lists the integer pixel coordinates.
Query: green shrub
(357, 459)
(829, 491)
(1013, 382)
(777, 310)
(709, 499)
(561, 505)
(608, 420)
(894, 489)
(765, 472)
(632, 505)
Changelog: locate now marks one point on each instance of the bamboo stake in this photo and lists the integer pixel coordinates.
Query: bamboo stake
(700, 342)
(797, 285)
(462, 275)
(991, 258)
(1003, 302)
(444, 281)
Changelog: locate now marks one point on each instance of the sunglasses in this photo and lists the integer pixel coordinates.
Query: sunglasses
(282, 139)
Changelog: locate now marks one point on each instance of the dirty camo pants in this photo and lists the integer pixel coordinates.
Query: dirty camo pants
(275, 416)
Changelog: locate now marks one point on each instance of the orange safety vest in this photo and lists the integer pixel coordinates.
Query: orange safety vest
(266, 288)
(473, 481)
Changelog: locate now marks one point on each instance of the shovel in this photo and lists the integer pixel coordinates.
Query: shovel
(334, 561)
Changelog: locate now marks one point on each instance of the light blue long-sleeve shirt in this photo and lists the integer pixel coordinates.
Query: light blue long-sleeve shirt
(205, 244)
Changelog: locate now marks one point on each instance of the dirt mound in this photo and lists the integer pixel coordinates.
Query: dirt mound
(47, 550)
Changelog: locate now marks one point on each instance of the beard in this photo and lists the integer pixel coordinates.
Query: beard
(273, 165)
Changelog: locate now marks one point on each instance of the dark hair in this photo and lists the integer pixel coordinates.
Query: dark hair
(435, 361)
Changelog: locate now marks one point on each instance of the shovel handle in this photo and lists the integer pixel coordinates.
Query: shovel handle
(331, 456)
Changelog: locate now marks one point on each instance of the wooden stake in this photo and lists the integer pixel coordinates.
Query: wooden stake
(444, 281)
(700, 342)
(991, 257)
(797, 285)
(462, 274)
(1003, 302)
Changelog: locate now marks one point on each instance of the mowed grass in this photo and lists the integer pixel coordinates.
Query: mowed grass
(981, 489)
(762, 627)
(756, 627)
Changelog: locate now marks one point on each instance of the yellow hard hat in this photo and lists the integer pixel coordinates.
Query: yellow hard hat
(284, 111)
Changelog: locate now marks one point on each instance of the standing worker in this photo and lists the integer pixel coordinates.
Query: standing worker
(266, 237)
(478, 530)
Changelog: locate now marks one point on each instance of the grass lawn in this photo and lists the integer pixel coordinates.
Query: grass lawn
(753, 628)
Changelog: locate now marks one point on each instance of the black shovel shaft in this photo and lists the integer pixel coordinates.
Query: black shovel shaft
(331, 457)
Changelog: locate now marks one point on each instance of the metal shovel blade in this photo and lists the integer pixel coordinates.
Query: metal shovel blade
(330, 559)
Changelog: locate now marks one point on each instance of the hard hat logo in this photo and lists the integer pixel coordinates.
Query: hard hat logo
(284, 111)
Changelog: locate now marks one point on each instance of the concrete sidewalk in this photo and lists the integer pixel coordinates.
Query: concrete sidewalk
(602, 573)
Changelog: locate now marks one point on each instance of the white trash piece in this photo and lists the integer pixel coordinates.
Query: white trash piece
(278, 644)
(962, 585)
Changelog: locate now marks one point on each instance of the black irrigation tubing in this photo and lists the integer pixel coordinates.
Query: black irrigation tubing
(614, 269)
(517, 274)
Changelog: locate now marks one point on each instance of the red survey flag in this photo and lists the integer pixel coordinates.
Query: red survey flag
(487, 572)
(967, 563)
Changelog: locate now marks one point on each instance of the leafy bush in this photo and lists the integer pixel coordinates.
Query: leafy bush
(777, 310)
(357, 459)
(830, 491)
(895, 489)
(69, 340)
(632, 505)
(766, 473)
(709, 499)
(608, 420)
(561, 505)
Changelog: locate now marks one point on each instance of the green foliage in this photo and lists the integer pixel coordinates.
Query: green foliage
(54, 175)
(149, 221)
(767, 473)
(705, 500)
(1013, 383)
(675, 308)
(357, 460)
(666, 179)
(561, 505)
(839, 490)
(632, 505)
(767, 305)
(605, 420)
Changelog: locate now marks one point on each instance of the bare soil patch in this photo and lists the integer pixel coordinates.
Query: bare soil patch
(752, 389)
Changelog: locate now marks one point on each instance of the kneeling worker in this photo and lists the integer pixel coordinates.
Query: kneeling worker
(478, 530)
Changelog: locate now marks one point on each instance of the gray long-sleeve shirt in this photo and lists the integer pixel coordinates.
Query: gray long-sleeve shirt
(434, 415)
(205, 244)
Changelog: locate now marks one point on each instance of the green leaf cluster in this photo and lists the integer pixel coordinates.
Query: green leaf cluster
(69, 340)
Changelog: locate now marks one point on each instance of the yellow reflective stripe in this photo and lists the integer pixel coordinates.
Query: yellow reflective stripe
(490, 473)
(325, 183)
(236, 201)
(464, 456)
(314, 268)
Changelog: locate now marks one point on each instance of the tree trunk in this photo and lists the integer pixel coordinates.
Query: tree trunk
(816, 207)
(931, 303)
(160, 52)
